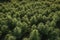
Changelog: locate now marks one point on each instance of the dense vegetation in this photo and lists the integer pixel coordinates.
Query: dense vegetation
(29, 19)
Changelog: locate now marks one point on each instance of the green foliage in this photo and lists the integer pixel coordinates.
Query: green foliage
(4, 28)
(26, 39)
(34, 35)
(29, 19)
(9, 37)
(17, 31)
(5, 0)
(0, 33)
